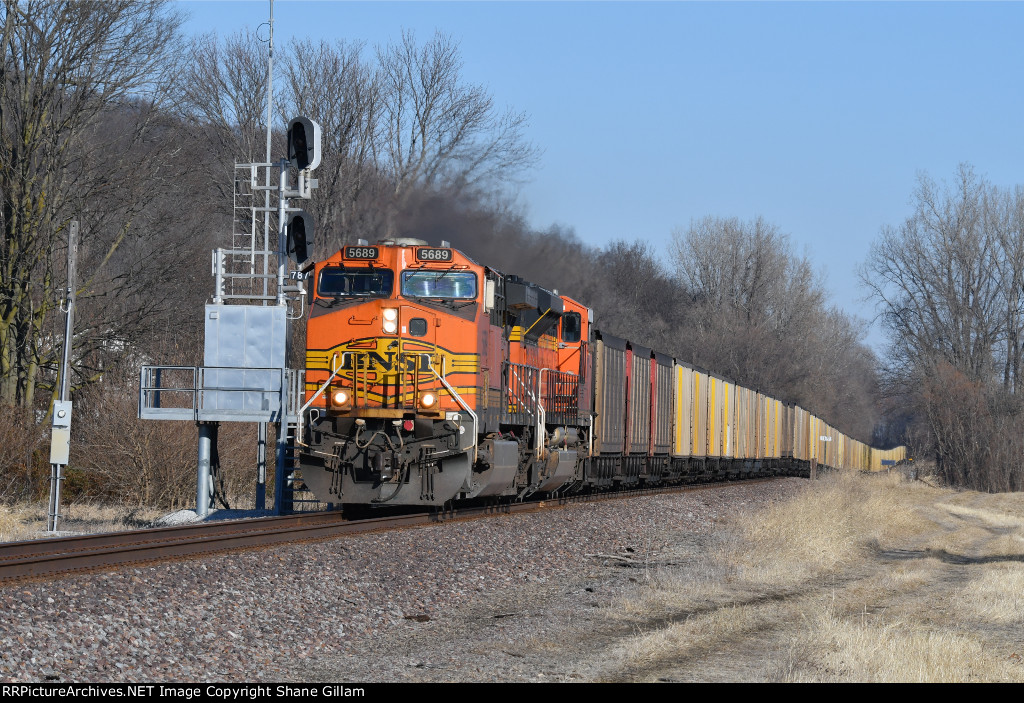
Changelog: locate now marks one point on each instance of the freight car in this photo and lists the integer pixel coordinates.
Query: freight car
(432, 378)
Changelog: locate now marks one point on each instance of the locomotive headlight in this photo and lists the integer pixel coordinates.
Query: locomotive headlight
(390, 320)
(428, 400)
(340, 398)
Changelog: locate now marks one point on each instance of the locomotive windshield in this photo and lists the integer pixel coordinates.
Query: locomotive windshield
(422, 283)
(339, 282)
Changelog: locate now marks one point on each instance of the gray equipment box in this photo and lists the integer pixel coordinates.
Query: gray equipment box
(60, 437)
(244, 359)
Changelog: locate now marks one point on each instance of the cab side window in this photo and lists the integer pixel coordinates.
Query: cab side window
(571, 327)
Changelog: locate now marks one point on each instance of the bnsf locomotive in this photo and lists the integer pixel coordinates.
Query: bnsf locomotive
(431, 378)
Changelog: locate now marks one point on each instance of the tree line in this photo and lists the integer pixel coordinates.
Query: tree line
(111, 116)
(949, 285)
(732, 297)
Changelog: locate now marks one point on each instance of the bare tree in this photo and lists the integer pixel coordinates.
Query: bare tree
(396, 131)
(66, 67)
(438, 131)
(222, 94)
(948, 285)
(332, 84)
(936, 279)
(1004, 217)
(726, 262)
(759, 315)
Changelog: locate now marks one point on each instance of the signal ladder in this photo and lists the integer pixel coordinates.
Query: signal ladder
(245, 267)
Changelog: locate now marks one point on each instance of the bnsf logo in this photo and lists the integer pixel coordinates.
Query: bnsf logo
(385, 362)
(379, 361)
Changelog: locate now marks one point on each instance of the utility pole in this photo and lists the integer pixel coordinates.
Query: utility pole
(60, 438)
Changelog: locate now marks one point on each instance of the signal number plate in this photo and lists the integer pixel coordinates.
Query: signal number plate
(362, 252)
(424, 254)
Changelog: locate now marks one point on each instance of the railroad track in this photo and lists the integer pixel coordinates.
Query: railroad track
(52, 557)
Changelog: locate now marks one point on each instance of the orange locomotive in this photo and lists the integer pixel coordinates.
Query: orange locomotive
(430, 378)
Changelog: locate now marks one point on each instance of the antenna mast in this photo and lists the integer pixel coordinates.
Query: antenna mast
(266, 193)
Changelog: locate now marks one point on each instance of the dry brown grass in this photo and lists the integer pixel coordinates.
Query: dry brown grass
(856, 579)
(997, 596)
(18, 522)
(838, 647)
(827, 527)
(26, 521)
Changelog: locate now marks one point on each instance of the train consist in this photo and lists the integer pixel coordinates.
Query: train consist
(431, 378)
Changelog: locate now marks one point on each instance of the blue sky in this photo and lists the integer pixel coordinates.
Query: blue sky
(818, 116)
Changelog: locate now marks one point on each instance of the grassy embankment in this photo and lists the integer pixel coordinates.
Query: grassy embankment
(859, 578)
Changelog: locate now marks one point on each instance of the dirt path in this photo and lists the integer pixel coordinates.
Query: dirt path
(936, 604)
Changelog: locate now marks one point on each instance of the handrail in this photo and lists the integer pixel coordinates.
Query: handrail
(302, 411)
(458, 399)
(526, 390)
(316, 395)
(541, 414)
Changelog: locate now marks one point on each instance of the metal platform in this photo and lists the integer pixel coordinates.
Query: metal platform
(220, 393)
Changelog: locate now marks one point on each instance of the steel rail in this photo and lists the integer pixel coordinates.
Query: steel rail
(52, 557)
(47, 558)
